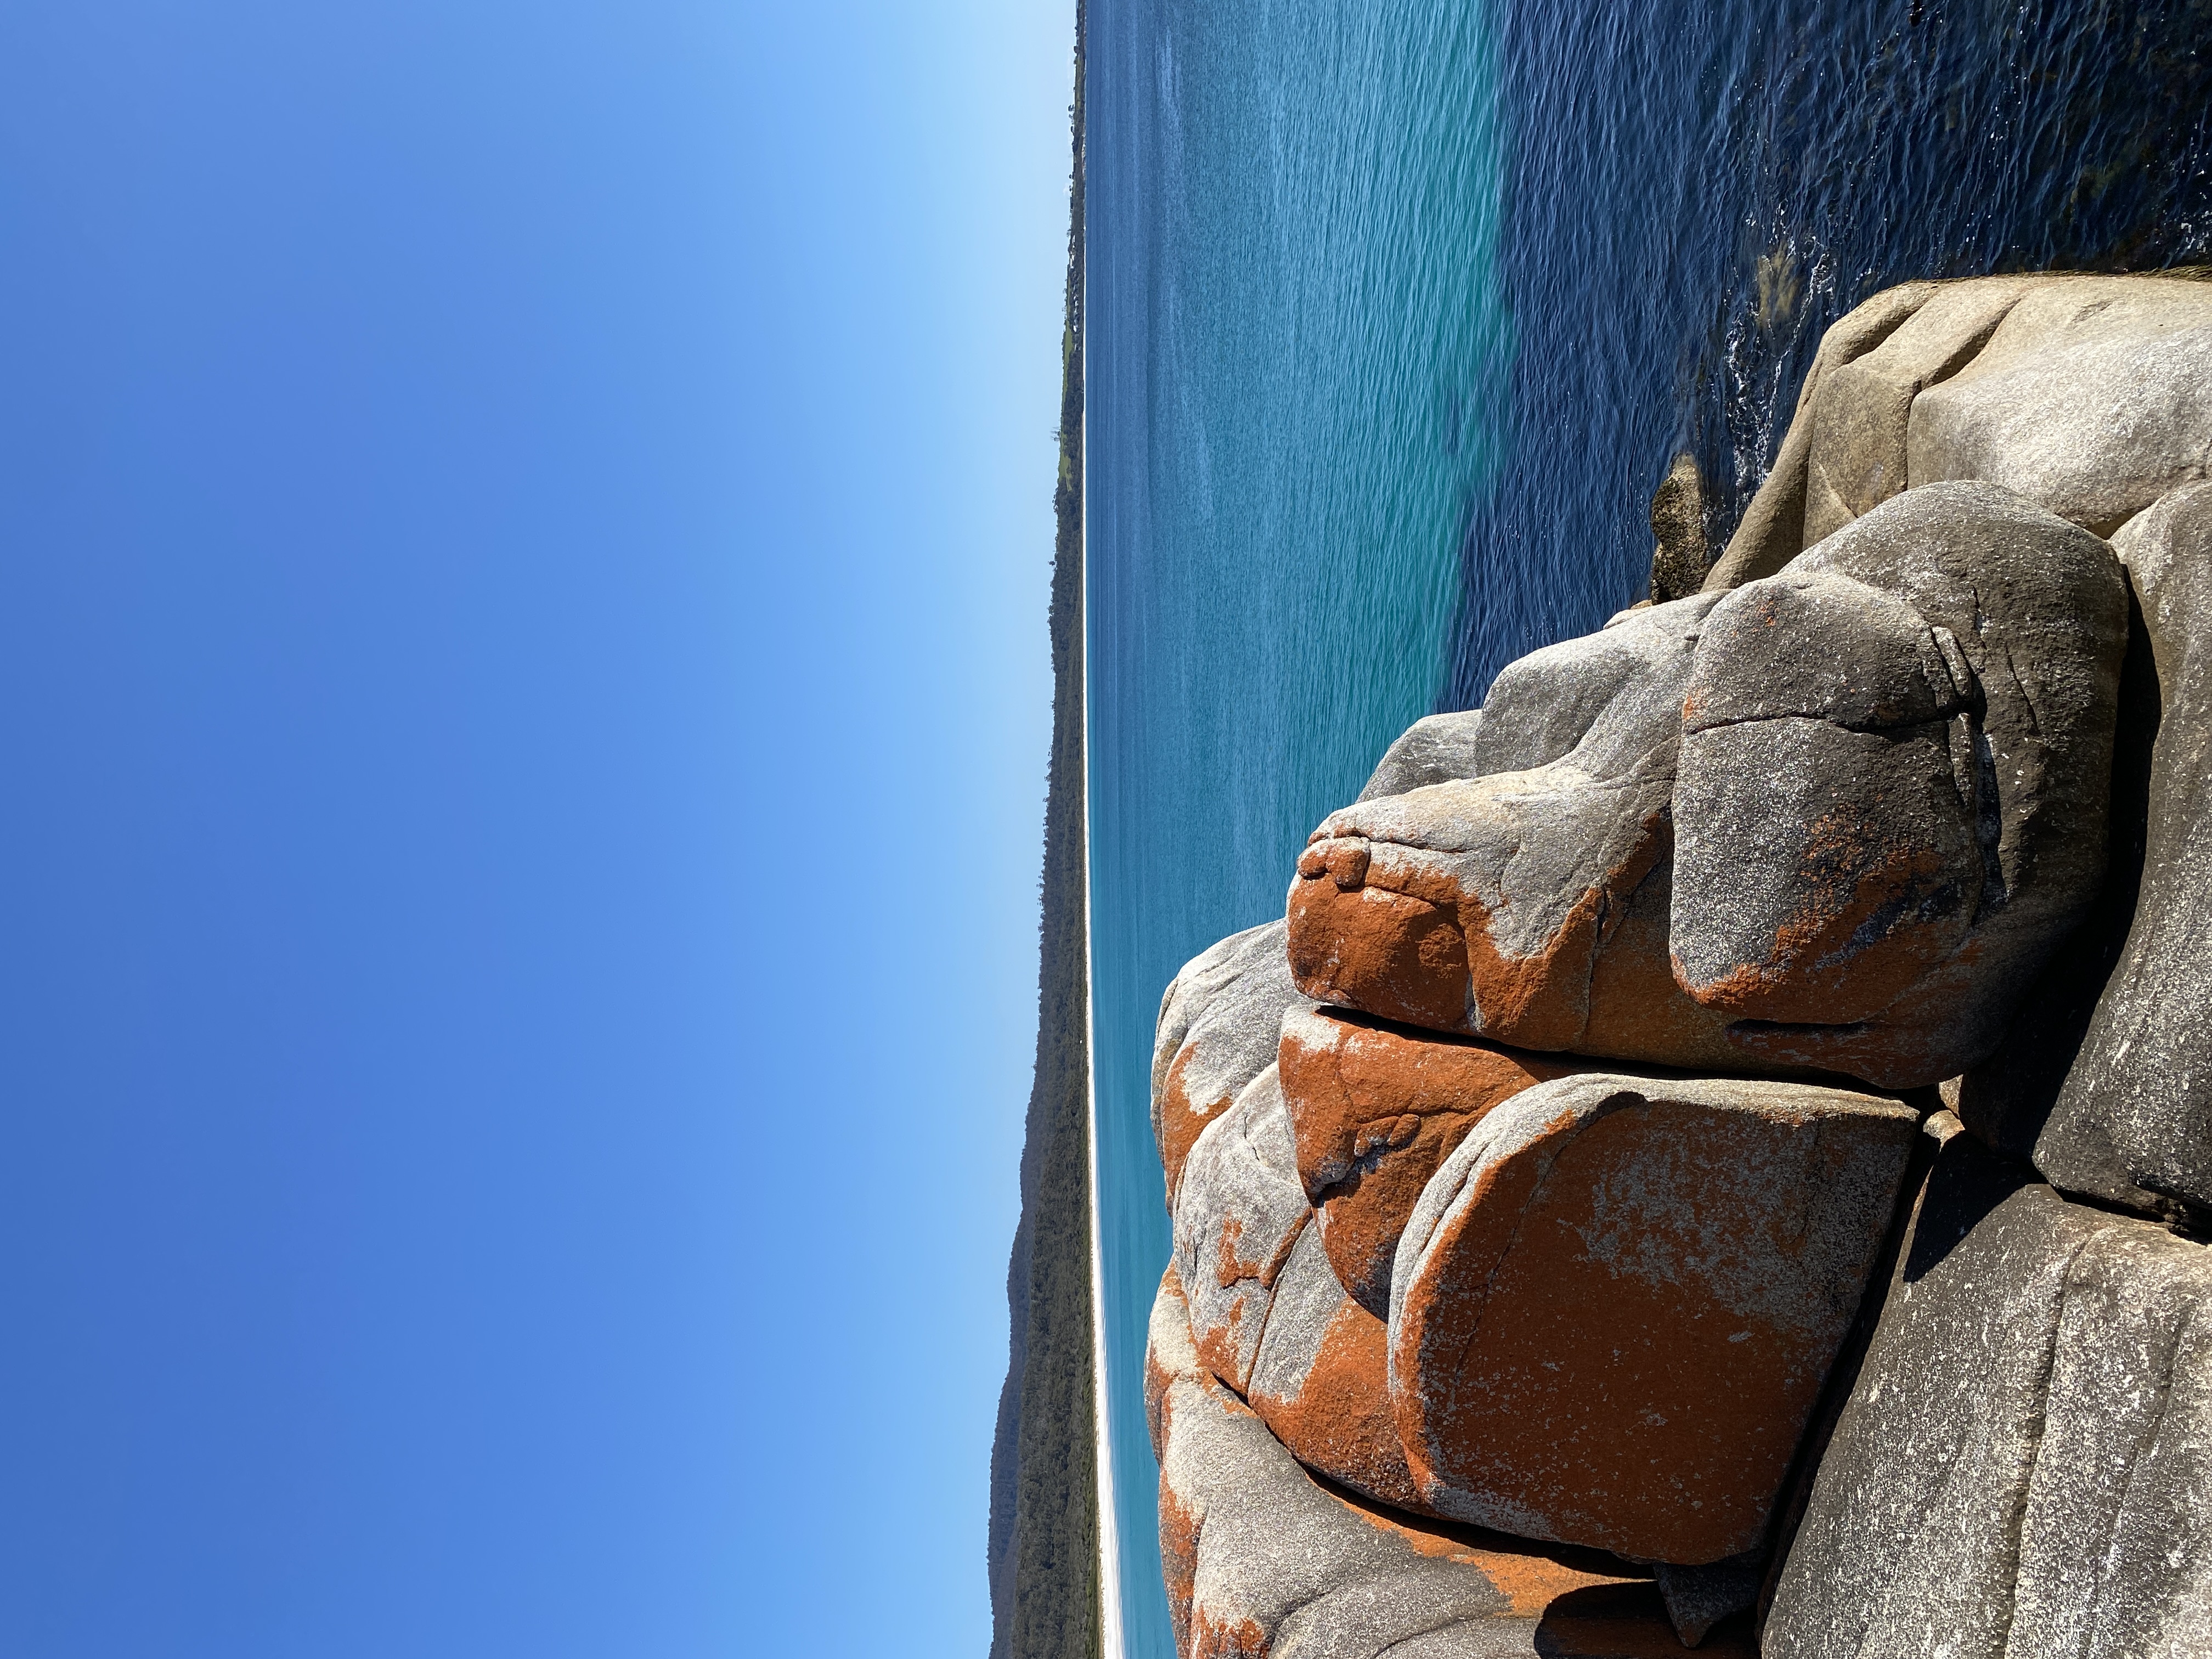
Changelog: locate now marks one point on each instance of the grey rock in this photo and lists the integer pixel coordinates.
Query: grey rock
(2083, 394)
(1433, 749)
(1260, 1558)
(1615, 1303)
(2093, 397)
(1614, 691)
(1893, 782)
(2024, 1462)
(1858, 459)
(1527, 904)
(2132, 1122)
(2102, 1081)
(1218, 1025)
(1697, 1598)
(1772, 532)
(1238, 1212)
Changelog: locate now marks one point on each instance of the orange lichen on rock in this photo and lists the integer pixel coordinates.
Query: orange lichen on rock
(1375, 1109)
(1320, 1381)
(1216, 1033)
(1261, 1556)
(1183, 1119)
(1391, 953)
(1412, 937)
(1624, 1297)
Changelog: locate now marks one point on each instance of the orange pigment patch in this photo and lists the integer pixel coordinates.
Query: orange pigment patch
(1441, 1311)
(1421, 949)
(1219, 1350)
(1625, 1408)
(1219, 1340)
(1178, 1559)
(1242, 1640)
(1340, 1422)
(1229, 1267)
(1815, 972)
(1539, 1002)
(1636, 1010)
(1374, 1112)
(1389, 953)
(1181, 1119)
(1530, 1575)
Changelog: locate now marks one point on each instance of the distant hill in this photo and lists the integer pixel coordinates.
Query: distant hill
(1044, 1487)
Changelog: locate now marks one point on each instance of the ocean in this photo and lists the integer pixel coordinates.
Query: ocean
(1399, 310)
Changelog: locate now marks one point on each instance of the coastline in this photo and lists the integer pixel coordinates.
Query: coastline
(1044, 1552)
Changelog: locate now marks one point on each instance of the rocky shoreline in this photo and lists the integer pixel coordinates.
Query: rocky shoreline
(1716, 1152)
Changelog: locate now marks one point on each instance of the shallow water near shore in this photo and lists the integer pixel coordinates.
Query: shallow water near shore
(1397, 314)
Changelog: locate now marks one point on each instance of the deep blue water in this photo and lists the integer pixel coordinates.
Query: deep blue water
(1398, 312)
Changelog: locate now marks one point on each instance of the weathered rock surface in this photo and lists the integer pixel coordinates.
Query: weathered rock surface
(1527, 905)
(1614, 1306)
(1836, 819)
(2132, 1122)
(1434, 750)
(1320, 1380)
(1217, 1031)
(2083, 394)
(1895, 776)
(1266, 1314)
(1858, 459)
(2025, 1461)
(1262, 1558)
(2089, 399)
(1772, 532)
(1374, 1108)
(1237, 1214)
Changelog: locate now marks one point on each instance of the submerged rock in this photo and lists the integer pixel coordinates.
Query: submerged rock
(1679, 557)
(1615, 1303)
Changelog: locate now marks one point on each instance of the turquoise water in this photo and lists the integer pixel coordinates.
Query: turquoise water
(1397, 312)
(1293, 430)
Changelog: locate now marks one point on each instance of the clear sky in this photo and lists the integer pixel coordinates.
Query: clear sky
(524, 539)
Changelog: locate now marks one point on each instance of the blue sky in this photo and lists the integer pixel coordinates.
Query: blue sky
(524, 536)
